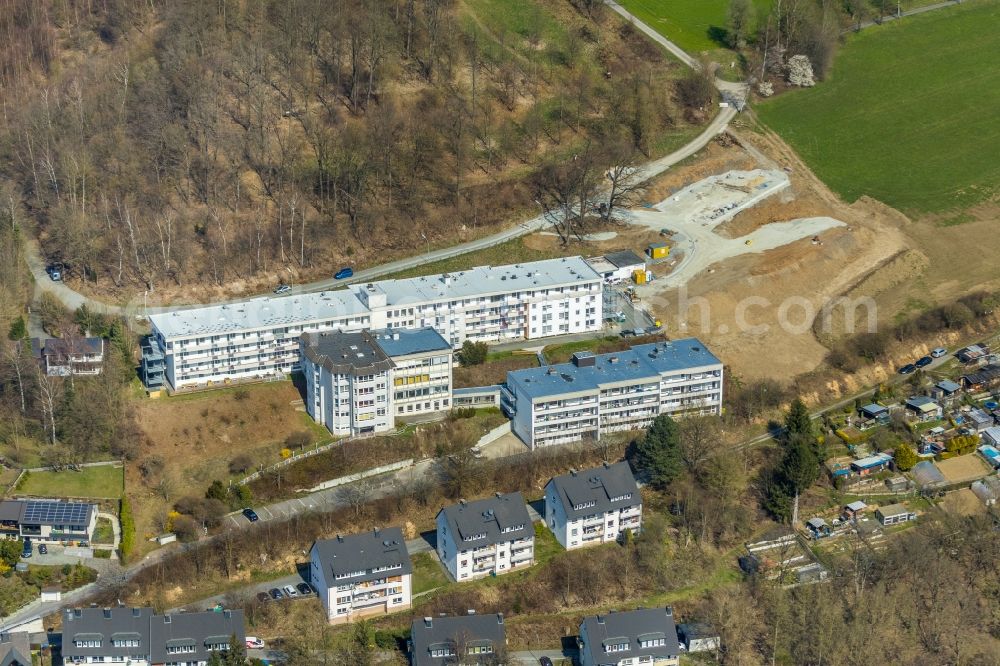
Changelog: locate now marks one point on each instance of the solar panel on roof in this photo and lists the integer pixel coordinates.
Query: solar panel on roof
(56, 513)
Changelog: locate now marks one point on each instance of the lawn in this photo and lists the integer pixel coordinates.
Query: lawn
(427, 573)
(694, 25)
(908, 114)
(97, 482)
(494, 370)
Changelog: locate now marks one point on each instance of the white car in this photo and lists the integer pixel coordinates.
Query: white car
(290, 591)
(939, 352)
(254, 643)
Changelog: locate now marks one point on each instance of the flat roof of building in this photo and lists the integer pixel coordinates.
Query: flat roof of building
(601, 264)
(404, 342)
(263, 312)
(623, 258)
(270, 312)
(893, 510)
(485, 280)
(636, 363)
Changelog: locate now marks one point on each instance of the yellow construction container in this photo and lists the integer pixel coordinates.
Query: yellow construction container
(658, 250)
(639, 276)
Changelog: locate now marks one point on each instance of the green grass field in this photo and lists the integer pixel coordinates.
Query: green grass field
(98, 482)
(694, 25)
(908, 115)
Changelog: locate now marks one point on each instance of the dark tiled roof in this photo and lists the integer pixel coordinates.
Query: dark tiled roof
(629, 627)
(345, 353)
(197, 630)
(598, 486)
(489, 517)
(455, 632)
(362, 554)
(15, 649)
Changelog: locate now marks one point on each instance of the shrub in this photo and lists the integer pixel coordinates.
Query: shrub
(240, 464)
(298, 440)
(128, 529)
(239, 395)
(103, 554)
(473, 353)
(286, 453)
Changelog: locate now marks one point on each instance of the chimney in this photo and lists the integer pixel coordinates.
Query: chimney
(428, 622)
(462, 502)
(600, 619)
(136, 612)
(499, 618)
(499, 495)
(107, 613)
(376, 531)
(471, 611)
(572, 472)
(340, 539)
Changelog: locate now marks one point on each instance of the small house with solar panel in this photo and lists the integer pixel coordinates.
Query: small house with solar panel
(47, 521)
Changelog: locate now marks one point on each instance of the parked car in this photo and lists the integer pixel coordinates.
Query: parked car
(344, 273)
(254, 643)
(43, 549)
(26, 550)
(304, 588)
(908, 369)
(276, 593)
(282, 289)
(263, 597)
(923, 361)
(290, 591)
(938, 352)
(545, 661)
(55, 272)
(251, 515)
(627, 333)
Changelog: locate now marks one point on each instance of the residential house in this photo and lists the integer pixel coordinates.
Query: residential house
(486, 537)
(259, 337)
(697, 637)
(853, 510)
(894, 514)
(972, 353)
(359, 383)
(593, 506)
(983, 379)
(598, 394)
(643, 636)
(947, 392)
(63, 357)
(897, 484)
(874, 411)
(139, 637)
(923, 408)
(978, 421)
(818, 527)
(47, 521)
(360, 575)
(15, 649)
(871, 464)
(462, 640)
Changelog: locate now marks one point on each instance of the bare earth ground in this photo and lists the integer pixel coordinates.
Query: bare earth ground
(963, 503)
(812, 273)
(963, 469)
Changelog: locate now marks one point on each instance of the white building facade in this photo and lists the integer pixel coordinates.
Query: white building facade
(594, 506)
(486, 537)
(594, 395)
(358, 383)
(258, 338)
(362, 575)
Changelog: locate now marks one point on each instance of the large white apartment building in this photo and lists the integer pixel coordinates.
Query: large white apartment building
(596, 394)
(362, 574)
(642, 637)
(593, 506)
(259, 338)
(358, 383)
(484, 537)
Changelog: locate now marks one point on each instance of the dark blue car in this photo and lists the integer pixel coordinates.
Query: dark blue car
(344, 273)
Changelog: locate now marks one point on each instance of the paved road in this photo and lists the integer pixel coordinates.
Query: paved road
(908, 12)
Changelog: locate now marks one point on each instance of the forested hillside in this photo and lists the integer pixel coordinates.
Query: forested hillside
(169, 146)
